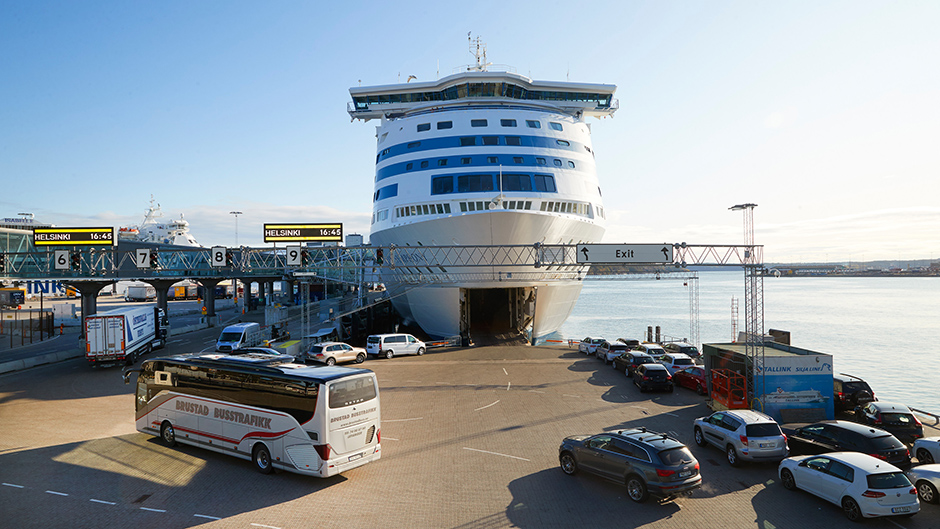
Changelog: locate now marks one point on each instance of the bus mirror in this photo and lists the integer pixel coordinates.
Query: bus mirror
(127, 375)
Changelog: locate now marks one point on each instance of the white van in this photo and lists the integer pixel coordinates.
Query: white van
(389, 345)
(238, 336)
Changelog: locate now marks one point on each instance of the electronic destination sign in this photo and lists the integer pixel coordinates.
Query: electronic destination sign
(303, 232)
(58, 236)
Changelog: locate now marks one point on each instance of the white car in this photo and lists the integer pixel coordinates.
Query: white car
(927, 450)
(390, 345)
(926, 479)
(675, 361)
(863, 485)
(607, 351)
(588, 346)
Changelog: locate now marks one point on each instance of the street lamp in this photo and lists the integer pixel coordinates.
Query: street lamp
(236, 213)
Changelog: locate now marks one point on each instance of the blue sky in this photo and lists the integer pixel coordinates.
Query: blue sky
(825, 114)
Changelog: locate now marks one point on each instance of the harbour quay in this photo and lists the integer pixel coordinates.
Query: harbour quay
(470, 439)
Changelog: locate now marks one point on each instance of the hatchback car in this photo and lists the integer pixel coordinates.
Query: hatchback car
(864, 486)
(652, 377)
(744, 435)
(389, 345)
(646, 462)
(652, 349)
(629, 361)
(927, 450)
(675, 362)
(330, 353)
(589, 345)
(836, 436)
(891, 417)
(692, 378)
(608, 351)
(682, 347)
(926, 479)
(850, 392)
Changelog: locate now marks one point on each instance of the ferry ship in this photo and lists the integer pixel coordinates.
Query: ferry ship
(152, 231)
(484, 157)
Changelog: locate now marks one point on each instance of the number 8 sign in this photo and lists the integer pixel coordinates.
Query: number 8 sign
(218, 256)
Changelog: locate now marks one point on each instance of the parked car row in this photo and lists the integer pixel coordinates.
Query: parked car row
(378, 345)
(650, 366)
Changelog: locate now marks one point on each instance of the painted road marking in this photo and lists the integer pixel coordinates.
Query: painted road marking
(508, 386)
(536, 391)
(14, 486)
(174, 341)
(102, 501)
(265, 526)
(567, 395)
(151, 510)
(403, 420)
(390, 439)
(56, 493)
(487, 406)
(495, 453)
(206, 517)
(504, 371)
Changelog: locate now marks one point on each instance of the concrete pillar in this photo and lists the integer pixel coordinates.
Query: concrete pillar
(89, 291)
(208, 300)
(162, 286)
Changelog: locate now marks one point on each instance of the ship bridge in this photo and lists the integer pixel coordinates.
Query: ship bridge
(481, 88)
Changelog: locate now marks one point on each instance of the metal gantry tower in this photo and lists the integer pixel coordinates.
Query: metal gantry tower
(753, 307)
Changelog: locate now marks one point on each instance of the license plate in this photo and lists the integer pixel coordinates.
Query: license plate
(355, 457)
(901, 509)
(685, 474)
(765, 445)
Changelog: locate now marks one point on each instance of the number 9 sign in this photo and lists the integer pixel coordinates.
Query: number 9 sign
(294, 256)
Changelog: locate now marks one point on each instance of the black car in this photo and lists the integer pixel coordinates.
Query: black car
(896, 419)
(652, 376)
(850, 392)
(846, 436)
(628, 361)
(646, 462)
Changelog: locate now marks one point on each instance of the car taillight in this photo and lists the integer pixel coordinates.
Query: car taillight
(916, 420)
(378, 435)
(880, 456)
(743, 439)
(664, 473)
(784, 438)
(696, 466)
(912, 491)
(645, 377)
(323, 451)
(840, 395)
(668, 377)
(877, 418)
(873, 494)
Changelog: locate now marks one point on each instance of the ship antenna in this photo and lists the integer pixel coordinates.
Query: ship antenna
(478, 50)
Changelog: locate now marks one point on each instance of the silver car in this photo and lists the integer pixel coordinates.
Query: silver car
(744, 435)
(330, 353)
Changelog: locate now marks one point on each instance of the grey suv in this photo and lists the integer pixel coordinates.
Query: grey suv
(646, 462)
(744, 435)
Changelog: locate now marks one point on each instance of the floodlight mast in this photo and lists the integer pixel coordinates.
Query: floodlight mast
(753, 309)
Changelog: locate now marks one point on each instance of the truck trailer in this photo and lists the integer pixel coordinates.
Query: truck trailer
(12, 297)
(122, 335)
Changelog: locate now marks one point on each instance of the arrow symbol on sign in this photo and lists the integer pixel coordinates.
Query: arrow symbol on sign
(665, 252)
(585, 252)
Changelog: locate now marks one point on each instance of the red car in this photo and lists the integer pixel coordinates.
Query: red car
(692, 378)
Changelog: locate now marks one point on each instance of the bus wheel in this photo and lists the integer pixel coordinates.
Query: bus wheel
(262, 459)
(168, 434)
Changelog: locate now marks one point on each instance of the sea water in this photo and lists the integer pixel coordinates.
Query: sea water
(882, 329)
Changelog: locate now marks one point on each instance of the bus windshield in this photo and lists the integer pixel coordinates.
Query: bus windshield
(351, 391)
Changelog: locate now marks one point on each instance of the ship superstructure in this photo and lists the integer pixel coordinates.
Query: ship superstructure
(484, 158)
(152, 231)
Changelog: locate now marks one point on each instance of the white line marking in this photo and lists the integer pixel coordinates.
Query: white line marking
(56, 493)
(494, 453)
(207, 517)
(504, 371)
(895, 523)
(670, 414)
(102, 501)
(508, 386)
(567, 395)
(487, 406)
(174, 341)
(151, 510)
(536, 391)
(14, 486)
(391, 439)
(265, 526)
(403, 420)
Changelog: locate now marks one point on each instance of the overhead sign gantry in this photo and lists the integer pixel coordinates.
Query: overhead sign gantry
(624, 253)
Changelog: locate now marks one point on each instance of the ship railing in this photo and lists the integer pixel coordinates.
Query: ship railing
(935, 417)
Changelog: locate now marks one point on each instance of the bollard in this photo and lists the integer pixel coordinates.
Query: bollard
(61, 328)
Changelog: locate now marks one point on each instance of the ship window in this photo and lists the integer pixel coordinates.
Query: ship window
(480, 206)
(414, 144)
(543, 206)
(424, 164)
(516, 182)
(528, 204)
(441, 185)
(545, 183)
(533, 124)
(467, 141)
(470, 183)
(446, 208)
(557, 162)
(472, 206)
(511, 204)
(424, 127)
(413, 211)
(507, 122)
(463, 207)
(540, 161)
(555, 126)
(570, 164)
(490, 140)
(387, 192)
(409, 166)
(513, 140)
(465, 161)
(425, 208)
(440, 208)
(445, 125)
(562, 142)
(492, 159)
(477, 122)
(441, 162)
(517, 159)
(383, 137)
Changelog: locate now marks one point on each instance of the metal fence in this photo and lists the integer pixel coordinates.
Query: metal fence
(22, 327)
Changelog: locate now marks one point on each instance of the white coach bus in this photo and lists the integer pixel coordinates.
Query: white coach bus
(260, 405)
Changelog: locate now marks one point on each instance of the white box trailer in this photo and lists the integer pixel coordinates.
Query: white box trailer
(121, 335)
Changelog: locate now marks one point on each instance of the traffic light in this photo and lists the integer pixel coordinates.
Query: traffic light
(154, 259)
(304, 257)
(76, 260)
(379, 256)
(229, 259)
(3, 261)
